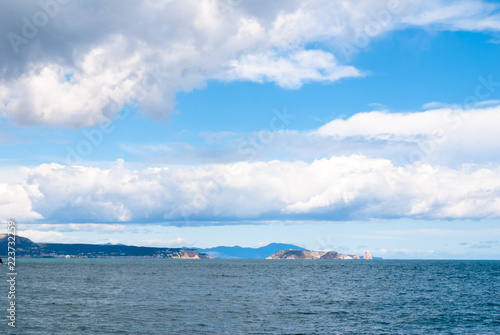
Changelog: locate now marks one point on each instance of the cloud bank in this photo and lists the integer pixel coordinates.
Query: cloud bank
(338, 188)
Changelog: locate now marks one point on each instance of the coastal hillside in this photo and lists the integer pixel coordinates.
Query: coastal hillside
(24, 247)
(96, 250)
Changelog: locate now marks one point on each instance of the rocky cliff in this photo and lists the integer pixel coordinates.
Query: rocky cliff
(191, 254)
(306, 254)
(333, 255)
(296, 254)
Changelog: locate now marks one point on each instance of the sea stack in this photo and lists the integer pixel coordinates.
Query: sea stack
(367, 255)
(355, 256)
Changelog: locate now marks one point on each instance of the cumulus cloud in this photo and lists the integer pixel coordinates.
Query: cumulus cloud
(440, 124)
(15, 203)
(57, 95)
(448, 136)
(338, 188)
(290, 71)
(77, 63)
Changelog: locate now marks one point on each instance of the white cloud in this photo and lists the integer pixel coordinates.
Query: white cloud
(456, 15)
(93, 57)
(441, 125)
(103, 81)
(445, 136)
(81, 227)
(289, 71)
(15, 203)
(338, 188)
(448, 136)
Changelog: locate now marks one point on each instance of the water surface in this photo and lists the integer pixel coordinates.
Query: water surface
(133, 296)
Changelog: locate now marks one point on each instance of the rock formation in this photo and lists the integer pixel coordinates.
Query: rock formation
(335, 255)
(296, 254)
(367, 255)
(190, 254)
(330, 255)
(305, 254)
(356, 256)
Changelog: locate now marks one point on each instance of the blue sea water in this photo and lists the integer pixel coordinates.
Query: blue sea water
(134, 296)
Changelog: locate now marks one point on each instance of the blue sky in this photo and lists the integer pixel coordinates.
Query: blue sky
(232, 122)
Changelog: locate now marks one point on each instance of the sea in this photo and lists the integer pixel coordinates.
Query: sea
(168, 296)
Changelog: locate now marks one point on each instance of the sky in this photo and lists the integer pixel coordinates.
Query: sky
(345, 125)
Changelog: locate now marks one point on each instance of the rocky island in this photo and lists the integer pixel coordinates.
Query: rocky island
(306, 254)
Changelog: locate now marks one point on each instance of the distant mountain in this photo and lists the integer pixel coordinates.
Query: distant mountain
(23, 246)
(248, 253)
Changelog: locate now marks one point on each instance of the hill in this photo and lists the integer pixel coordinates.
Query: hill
(24, 247)
(106, 250)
